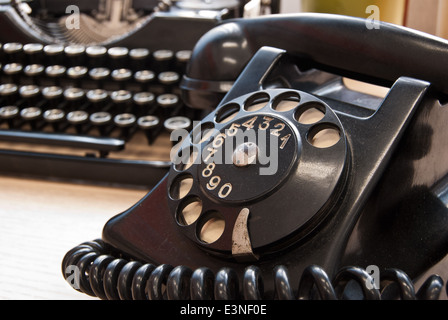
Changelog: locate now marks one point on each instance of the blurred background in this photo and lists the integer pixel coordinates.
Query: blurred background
(428, 16)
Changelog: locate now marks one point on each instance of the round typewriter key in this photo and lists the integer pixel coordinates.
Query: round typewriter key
(55, 117)
(144, 78)
(144, 102)
(53, 96)
(162, 60)
(78, 119)
(180, 124)
(149, 125)
(9, 114)
(182, 59)
(168, 79)
(77, 74)
(12, 71)
(30, 94)
(167, 103)
(54, 54)
(75, 54)
(121, 76)
(98, 99)
(8, 93)
(118, 57)
(33, 53)
(99, 75)
(101, 121)
(96, 56)
(55, 73)
(31, 116)
(34, 72)
(74, 98)
(139, 58)
(121, 101)
(126, 122)
(13, 52)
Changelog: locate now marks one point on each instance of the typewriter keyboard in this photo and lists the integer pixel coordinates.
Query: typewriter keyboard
(90, 112)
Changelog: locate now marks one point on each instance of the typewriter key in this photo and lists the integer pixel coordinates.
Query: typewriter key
(96, 56)
(53, 96)
(55, 117)
(98, 99)
(150, 125)
(118, 57)
(8, 114)
(13, 52)
(162, 60)
(8, 93)
(31, 116)
(168, 104)
(182, 59)
(77, 75)
(75, 55)
(34, 72)
(144, 78)
(99, 75)
(74, 98)
(121, 77)
(168, 79)
(30, 95)
(54, 54)
(139, 58)
(144, 103)
(178, 127)
(126, 122)
(78, 119)
(121, 100)
(101, 121)
(33, 53)
(12, 72)
(55, 73)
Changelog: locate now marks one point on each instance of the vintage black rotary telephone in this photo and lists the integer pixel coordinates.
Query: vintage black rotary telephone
(359, 180)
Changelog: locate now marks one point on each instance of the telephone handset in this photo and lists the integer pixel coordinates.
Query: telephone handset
(293, 176)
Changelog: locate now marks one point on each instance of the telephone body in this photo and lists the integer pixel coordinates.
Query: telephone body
(374, 193)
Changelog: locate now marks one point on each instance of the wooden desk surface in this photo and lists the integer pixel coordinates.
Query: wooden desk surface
(40, 222)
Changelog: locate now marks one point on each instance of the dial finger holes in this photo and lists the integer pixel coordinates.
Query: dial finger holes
(180, 187)
(227, 113)
(202, 133)
(286, 102)
(324, 136)
(310, 113)
(211, 227)
(185, 158)
(189, 211)
(256, 102)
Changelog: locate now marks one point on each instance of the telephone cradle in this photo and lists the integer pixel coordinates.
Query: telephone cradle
(295, 184)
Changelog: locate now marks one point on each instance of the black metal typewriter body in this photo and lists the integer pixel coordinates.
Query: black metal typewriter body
(97, 101)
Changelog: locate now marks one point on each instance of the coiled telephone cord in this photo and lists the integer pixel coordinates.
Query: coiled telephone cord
(96, 270)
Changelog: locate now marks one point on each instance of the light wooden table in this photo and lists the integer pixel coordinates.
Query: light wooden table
(39, 222)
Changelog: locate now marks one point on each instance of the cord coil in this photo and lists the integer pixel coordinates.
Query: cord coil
(106, 274)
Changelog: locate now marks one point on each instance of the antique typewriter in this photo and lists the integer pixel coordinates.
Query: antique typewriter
(90, 92)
